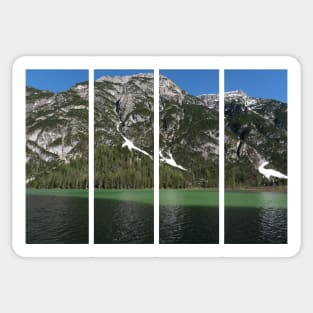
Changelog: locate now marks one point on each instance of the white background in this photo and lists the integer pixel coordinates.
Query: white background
(170, 28)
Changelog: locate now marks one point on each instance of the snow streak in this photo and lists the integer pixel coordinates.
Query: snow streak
(170, 161)
(130, 145)
(270, 172)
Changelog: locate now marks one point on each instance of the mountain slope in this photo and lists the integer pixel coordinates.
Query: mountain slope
(255, 133)
(124, 107)
(188, 134)
(124, 131)
(57, 137)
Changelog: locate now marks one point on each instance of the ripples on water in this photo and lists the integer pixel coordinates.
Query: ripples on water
(123, 222)
(188, 216)
(252, 225)
(56, 219)
(180, 224)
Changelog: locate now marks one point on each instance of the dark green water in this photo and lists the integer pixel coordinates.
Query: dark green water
(56, 216)
(255, 217)
(189, 216)
(124, 216)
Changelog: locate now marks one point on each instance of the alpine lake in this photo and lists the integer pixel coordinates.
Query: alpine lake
(55, 216)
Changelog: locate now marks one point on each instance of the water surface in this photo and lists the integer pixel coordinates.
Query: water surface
(189, 216)
(255, 217)
(56, 216)
(124, 216)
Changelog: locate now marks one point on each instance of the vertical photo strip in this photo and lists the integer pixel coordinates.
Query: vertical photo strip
(123, 140)
(189, 156)
(256, 156)
(56, 156)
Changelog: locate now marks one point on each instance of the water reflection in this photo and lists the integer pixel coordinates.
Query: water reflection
(123, 222)
(56, 219)
(173, 224)
(273, 225)
(181, 224)
(265, 221)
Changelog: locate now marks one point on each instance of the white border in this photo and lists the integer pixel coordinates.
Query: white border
(156, 250)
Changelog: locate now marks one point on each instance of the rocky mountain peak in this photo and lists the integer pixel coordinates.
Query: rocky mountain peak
(235, 94)
(169, 89)
(81, 89)
(124, 79)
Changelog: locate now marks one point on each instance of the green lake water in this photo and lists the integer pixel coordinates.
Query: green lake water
(188, 216)
(55, 216)
(255, 217)
(191, 216)
(126, 216)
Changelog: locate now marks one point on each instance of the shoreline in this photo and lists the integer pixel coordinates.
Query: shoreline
(255, 189)
(260, 189)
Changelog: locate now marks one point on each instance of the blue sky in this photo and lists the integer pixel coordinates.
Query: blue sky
(258, 83)
(195, 82)
(100, 73)
(55, 80)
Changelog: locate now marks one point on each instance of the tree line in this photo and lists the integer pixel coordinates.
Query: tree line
(73, 175)
(195, 177)
(245, 175)
(119, 168)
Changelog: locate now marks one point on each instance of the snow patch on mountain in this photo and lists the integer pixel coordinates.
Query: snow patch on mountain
(268, 173)
(170, 161)
(129, 144)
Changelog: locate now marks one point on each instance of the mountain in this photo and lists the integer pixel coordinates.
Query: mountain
(57, 136)
(124, 107)
(255, 137)
(188, 139)
(124, 131)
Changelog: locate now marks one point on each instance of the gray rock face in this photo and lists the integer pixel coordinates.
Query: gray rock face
(126, 101)
(211, 100)
(188, 127)
(255, 132)
(57, 123)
